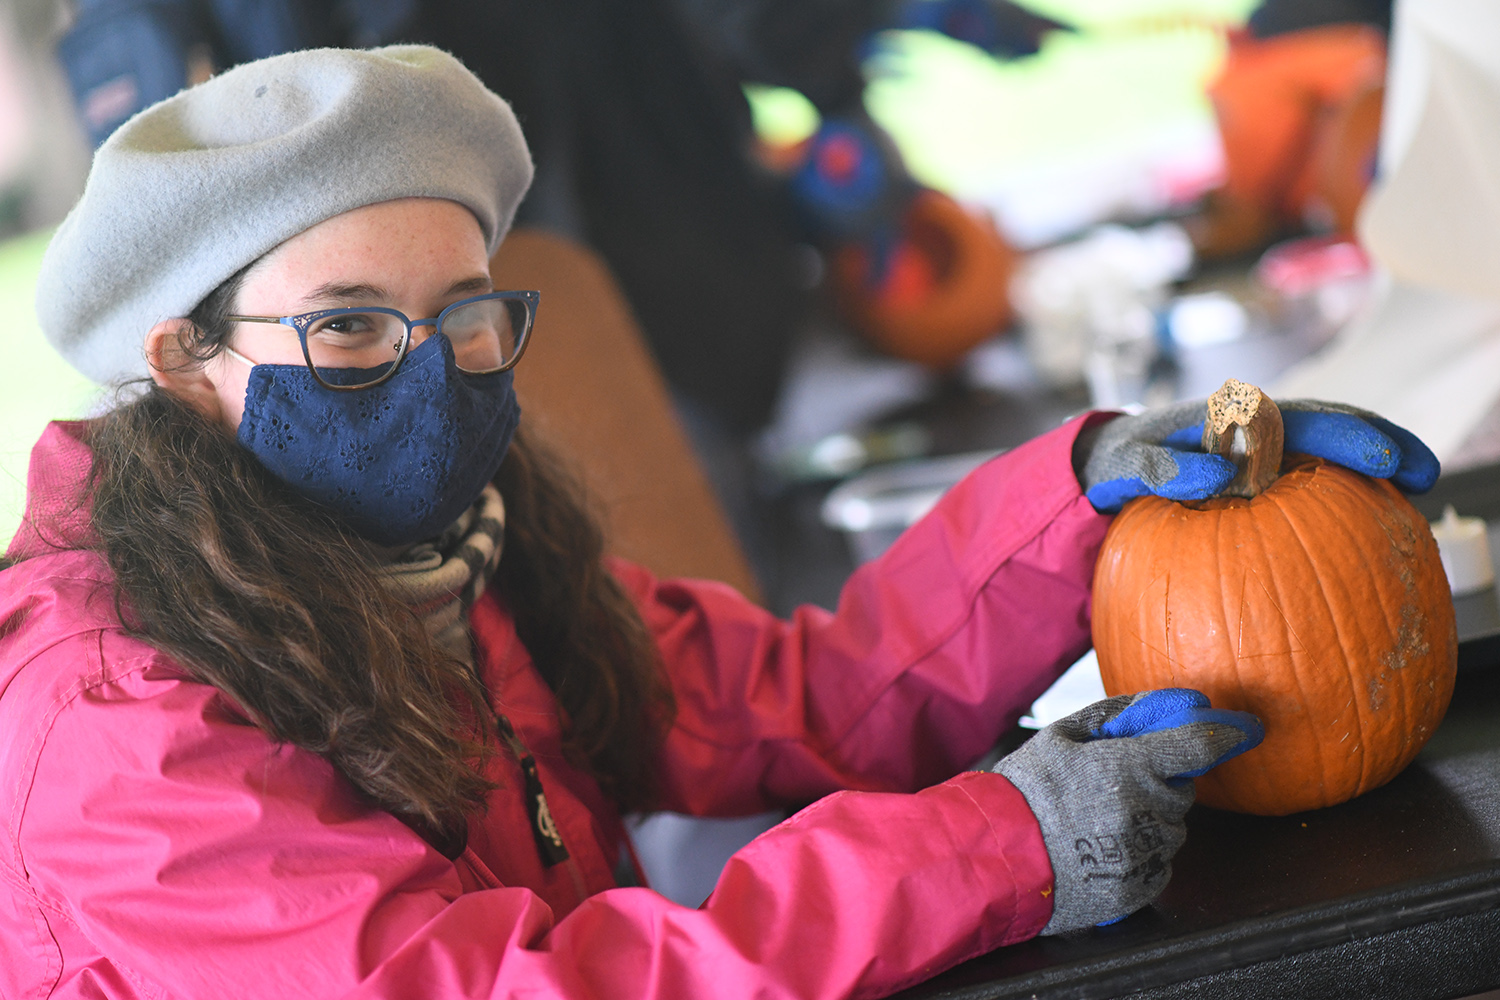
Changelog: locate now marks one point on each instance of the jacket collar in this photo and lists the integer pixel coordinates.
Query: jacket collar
(57, 512)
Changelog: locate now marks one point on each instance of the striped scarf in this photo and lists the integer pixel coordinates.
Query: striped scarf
(440, 580)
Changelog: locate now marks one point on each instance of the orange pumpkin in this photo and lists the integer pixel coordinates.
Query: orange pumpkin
(947, 290)
(1319, 604)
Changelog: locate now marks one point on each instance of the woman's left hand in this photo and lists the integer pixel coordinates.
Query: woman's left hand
(1110, 786)
(1159, 452)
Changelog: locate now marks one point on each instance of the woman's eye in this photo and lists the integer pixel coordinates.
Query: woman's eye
(348, 327)
(345, 324)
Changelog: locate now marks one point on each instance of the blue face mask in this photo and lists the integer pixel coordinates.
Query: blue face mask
(400, 461)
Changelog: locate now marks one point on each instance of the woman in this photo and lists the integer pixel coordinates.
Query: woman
(315, 682)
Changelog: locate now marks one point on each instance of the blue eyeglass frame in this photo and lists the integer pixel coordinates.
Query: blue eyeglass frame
(302, 321)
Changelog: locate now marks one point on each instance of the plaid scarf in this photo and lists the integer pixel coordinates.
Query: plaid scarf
(442, 579)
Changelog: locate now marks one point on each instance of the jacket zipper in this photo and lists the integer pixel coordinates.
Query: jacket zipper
(549, 842)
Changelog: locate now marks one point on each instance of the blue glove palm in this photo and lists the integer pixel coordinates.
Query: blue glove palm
(1171, 708)
(1158, 452)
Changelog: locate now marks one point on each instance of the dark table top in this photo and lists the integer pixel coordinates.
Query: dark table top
(1396, 893)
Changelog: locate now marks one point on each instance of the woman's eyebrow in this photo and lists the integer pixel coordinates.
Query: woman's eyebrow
(477, 285)
(364, 293)
(336, 291)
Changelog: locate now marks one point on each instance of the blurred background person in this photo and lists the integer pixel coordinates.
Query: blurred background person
(1298, 107)
(641, 130)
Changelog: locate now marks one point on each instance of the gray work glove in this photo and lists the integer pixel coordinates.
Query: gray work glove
(1159, 451)
(1110, 786)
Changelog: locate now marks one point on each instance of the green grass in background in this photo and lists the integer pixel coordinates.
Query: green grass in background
(962, 118)
(36, 385)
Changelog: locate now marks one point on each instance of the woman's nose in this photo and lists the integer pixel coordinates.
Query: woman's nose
(421, 331)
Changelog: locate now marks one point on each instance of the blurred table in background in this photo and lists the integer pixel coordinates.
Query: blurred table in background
(999, 401)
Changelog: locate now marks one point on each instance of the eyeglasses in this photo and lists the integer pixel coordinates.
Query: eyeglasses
(357, 348)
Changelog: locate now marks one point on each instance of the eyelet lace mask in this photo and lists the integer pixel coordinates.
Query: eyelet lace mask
(399, 461)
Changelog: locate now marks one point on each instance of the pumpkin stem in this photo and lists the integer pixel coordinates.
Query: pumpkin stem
(1241, 405)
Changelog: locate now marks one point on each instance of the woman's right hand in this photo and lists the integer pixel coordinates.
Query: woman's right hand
(1160, 452)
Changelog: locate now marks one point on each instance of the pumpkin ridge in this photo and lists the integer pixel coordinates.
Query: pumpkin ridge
(1166, 624)
(1235, 643)
(1369, 573)
(1343, 486)
(1174, 653)
(1420, 623)
(1181, 671)
(1396, 623)
(1414, 623)
(1392, 625)
(1166, 636)
(1315, 655)
(1168, 660)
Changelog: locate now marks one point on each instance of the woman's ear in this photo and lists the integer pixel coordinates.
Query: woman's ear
(174, 368)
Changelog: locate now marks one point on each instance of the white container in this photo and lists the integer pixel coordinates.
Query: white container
(1464, 544)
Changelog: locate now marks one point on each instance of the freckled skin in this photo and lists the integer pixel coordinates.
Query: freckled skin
(413, 248)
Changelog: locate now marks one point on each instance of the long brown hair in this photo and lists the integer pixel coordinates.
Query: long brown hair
(266, 596)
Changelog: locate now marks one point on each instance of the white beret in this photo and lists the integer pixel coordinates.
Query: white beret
(196, 187)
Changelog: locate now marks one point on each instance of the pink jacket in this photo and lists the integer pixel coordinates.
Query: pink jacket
(154, 848)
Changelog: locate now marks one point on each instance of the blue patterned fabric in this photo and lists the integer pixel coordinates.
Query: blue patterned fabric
(399, 461)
